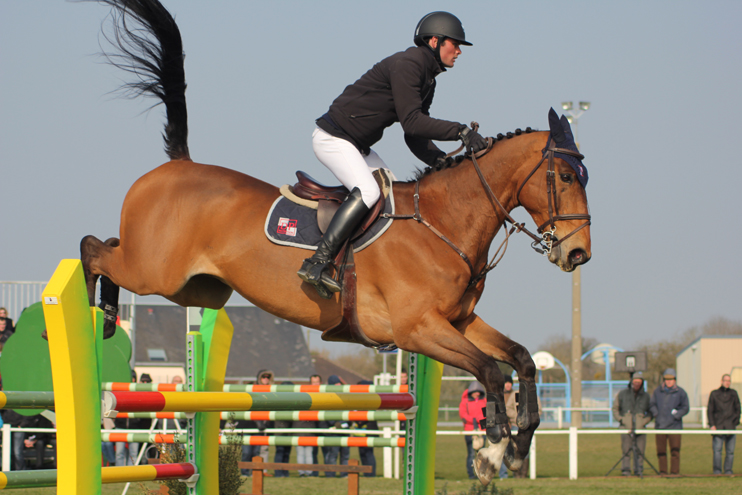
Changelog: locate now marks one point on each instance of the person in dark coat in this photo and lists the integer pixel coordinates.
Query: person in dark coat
(668, 406)
(473, 400)
(283, 452)
(332, 453)
(631, 410)
(724, 413)
(366, 454)
(400, 89)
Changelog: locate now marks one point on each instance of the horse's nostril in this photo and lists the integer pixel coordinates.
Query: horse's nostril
(578, 257)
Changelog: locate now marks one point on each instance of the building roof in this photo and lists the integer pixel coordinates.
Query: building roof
(325, 368)
(260, 341)
(707, 337)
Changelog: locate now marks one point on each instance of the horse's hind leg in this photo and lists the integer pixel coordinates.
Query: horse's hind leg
(91, 251)
(497, 345)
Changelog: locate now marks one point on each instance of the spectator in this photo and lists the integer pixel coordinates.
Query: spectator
(511, 408)
(367, 453)
(264, 377)
(470, 410)
(332, 453)
(317, 380)
(631, 410)
(128, 452)
(177, 380)
(15, 420)
(8, 322)
(305, 454)
(108, 448)
(668, 406)
(283, 452)
(724, 412)
(403, 376)
(6, 328)
(507, 392)
(39, 441)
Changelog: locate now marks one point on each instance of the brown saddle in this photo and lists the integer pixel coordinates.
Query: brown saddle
(330, 198)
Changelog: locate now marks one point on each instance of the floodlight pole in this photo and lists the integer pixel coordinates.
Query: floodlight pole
(576, 375)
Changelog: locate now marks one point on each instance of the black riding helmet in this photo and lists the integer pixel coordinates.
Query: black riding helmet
(441, 24)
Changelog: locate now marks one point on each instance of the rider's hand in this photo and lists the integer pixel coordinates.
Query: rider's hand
(443, 162)
(472, 139)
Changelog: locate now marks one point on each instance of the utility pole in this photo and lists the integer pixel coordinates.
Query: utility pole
(576, 366)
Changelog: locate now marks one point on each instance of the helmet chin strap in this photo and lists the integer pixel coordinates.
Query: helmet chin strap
(437, 51)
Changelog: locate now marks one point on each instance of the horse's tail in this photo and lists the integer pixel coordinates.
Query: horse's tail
(152, 49)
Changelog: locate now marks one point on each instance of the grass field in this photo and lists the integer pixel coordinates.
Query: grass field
(597, 455)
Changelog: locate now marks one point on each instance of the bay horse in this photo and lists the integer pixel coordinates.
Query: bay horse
(193, 233)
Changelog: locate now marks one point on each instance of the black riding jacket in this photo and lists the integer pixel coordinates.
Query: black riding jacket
(400, 89)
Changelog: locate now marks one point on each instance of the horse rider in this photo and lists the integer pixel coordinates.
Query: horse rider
(400, 89)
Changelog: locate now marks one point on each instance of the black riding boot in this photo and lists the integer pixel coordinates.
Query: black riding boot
(345, 221)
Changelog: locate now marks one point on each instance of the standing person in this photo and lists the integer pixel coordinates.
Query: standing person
(631, 410)
(304, 453)
(724, 412)
(128, 452)
(264, 377)
(507, 392)
(511, 408)
(317, 380)
(366, 454)
(470, 411)
(400, 89)
(668, 406)
(6, 329)
(283, 452)
(8, 321)
(332, 453)
(16, 420)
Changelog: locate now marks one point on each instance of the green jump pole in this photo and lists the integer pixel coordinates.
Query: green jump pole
(425, 384)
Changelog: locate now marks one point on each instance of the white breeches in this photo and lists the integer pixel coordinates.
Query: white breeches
(348, 164)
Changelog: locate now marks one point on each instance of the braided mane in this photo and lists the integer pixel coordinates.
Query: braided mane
(419, 174)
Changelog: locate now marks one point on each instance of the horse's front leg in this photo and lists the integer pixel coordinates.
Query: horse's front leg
(500, 347)
(435, 337)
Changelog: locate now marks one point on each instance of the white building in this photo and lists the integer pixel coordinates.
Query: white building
(701, 365)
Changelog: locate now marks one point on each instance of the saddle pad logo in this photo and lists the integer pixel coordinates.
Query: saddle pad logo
(286, 226)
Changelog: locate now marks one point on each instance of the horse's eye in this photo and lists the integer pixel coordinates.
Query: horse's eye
(568, 178)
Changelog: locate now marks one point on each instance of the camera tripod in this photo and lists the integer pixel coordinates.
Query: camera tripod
(638, 456)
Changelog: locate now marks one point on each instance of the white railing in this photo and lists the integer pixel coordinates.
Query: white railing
(16, 296)
(387, 432)
(559, 413)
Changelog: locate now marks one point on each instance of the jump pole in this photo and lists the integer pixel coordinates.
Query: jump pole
(75, 341)
(419, 460)
(206, 366)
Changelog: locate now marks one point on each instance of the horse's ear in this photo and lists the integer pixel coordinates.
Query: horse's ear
(567, 129)
(555, 127)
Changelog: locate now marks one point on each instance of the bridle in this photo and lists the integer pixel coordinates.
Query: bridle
(542, 244)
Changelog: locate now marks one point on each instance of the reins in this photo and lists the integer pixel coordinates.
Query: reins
(543, 244)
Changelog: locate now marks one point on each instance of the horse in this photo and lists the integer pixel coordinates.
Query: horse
(193, 233)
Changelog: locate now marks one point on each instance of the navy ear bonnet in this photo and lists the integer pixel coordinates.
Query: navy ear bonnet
(561, 133)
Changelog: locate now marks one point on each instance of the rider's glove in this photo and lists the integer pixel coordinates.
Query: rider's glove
(442, 162)
(472, 139)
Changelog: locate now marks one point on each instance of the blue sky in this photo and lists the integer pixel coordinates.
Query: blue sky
(661, 138)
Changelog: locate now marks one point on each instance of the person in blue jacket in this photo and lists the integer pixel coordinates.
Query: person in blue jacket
(668, 406)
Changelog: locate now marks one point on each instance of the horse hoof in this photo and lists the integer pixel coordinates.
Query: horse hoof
(487, 462)
(109, 329)
(44, 335)
(484, 470)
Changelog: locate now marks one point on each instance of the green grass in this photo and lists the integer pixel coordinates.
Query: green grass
(597, 455)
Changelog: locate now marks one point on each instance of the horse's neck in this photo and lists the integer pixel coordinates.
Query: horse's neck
(466, 211)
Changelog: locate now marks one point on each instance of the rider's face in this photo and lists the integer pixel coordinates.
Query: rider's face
(449, 50)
